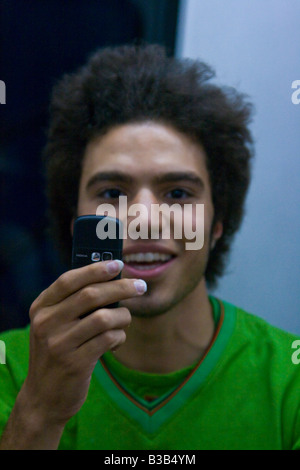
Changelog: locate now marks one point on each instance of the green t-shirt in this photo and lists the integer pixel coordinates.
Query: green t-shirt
(243, 394)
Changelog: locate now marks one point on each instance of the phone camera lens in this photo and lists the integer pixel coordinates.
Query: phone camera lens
(96, 257)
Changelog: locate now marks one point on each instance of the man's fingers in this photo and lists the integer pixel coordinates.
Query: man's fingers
(74, 280)
(95, 296)
(109, 340)
(96, 323)
(84, 301)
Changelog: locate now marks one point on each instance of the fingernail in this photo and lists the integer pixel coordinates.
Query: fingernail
(141, 286)
(114, 266)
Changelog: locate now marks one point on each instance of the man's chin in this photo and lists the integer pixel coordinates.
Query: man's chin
(145, 307)
(161, 299)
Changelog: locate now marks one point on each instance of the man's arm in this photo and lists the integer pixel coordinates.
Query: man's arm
(64, 349)
(26, 430)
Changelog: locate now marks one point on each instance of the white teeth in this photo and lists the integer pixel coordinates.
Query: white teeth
(146, 257)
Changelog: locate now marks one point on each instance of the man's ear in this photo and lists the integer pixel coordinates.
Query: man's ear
(216, 234)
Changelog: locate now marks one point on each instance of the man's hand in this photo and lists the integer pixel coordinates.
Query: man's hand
(64, 348)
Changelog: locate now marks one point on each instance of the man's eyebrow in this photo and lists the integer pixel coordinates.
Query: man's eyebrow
(170, 177)
(177, 176)
(109, 176)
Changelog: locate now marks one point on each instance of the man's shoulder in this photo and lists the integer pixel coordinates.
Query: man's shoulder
(264, 340)
(256, 325)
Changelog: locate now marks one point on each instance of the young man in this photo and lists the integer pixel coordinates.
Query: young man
(171, 367)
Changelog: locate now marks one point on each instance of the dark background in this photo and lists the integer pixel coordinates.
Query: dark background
(40, 40)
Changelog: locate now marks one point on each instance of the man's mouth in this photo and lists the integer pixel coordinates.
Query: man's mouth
(146, 260)
(147, 264)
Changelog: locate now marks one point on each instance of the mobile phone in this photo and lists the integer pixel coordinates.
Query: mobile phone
(96, 238)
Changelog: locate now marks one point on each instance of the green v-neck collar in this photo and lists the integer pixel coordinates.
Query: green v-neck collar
(152, 415)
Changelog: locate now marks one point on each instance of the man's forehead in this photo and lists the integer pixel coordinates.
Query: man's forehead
(143, 135)
(140, 150)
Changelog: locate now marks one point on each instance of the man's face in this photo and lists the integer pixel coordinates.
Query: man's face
(152, 164)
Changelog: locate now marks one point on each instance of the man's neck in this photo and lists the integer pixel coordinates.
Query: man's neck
(170, 341)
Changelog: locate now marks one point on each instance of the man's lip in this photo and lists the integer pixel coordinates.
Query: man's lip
(148, 248)
(148, 274)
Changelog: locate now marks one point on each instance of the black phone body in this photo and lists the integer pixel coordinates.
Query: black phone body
(88, 248)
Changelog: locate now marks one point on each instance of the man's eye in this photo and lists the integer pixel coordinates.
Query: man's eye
(111, 193)
(178, 193)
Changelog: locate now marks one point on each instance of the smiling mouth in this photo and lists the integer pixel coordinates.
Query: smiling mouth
(146, 261)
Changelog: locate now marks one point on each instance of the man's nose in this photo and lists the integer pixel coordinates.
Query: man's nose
(145, 198)
(143, 206)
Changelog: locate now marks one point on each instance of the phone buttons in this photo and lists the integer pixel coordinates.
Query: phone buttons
(107, 255)
(96, 257)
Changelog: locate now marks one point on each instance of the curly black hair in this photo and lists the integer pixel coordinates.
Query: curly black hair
(140, 83)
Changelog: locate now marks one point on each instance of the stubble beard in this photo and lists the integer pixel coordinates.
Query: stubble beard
(148, 306)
